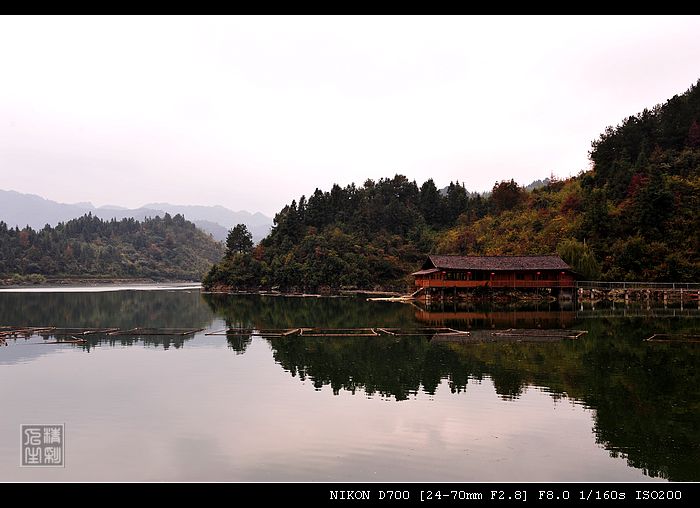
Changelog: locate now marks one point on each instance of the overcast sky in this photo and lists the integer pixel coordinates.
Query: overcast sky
(251, 112)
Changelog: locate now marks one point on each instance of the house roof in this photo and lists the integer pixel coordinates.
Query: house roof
(496, 263)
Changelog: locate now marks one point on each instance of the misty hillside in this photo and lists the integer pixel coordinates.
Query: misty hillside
(17, 209)
(258, 224)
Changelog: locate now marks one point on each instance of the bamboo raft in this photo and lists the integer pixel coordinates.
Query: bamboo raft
(77, 335)
(514, 335)
(671, 338)
(156, 331)
(437, 334)
(540, 333)
(72, 340)
(337, 332)
(13, 332)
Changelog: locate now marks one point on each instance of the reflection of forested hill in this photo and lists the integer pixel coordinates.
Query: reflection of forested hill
(122, 309)
(388, 366)
(286, 312)
(114, 309)
(645, 396)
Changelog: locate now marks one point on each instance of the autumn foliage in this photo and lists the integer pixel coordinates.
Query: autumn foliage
(634, 216)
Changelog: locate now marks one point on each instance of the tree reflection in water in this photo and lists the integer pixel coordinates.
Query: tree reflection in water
(645, 395)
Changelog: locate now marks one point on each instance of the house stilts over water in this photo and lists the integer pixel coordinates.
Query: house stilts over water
(463, 273)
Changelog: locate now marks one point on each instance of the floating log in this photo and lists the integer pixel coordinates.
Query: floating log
(426, 331)
(507, 336)
(48, 331)
(338, 332)
(269, 332)
(156, 331)
(80, 331)
(437, 334)
(73, 340)
(23, 331)
(668, 337)
(458, 337)
(537, 332)
(335, 332)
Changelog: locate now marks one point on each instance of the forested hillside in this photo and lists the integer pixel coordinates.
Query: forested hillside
(158, 248)
(637, 210)
(634, 216)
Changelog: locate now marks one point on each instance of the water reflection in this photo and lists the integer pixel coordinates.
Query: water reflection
(645, 395)
(239, 343)
(251, 311)
(122, 309)
(468, 317)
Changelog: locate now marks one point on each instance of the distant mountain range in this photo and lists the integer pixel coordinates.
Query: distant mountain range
(17, 209)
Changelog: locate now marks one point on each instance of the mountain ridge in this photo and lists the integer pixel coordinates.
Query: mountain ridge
(27, 209)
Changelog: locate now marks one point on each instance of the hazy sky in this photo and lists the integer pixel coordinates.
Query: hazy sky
(251, 112)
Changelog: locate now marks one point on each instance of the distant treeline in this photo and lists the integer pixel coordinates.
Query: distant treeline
(633, 217)
(158, 248)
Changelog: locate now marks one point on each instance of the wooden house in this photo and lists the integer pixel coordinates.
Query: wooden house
(495, 272)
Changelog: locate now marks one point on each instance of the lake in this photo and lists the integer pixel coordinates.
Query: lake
(608, 406)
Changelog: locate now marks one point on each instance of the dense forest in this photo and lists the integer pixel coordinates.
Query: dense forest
(633, 216)
(158, 248)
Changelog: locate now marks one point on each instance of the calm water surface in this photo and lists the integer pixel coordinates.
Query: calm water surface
(605, 407)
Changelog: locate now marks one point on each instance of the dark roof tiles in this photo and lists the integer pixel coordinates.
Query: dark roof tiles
(496, 263)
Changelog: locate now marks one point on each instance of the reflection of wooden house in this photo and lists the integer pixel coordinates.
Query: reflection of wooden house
(495, 272)
(464, 319)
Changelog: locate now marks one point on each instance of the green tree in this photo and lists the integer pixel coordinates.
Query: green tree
(694, 134)
(579, 257)
(506, 195)
(457, 201)
(239, 240)
(430, 203)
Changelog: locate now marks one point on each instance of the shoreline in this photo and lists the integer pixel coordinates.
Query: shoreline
(300, 294)
(102, 285)
(88, 282)
(388, 295)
